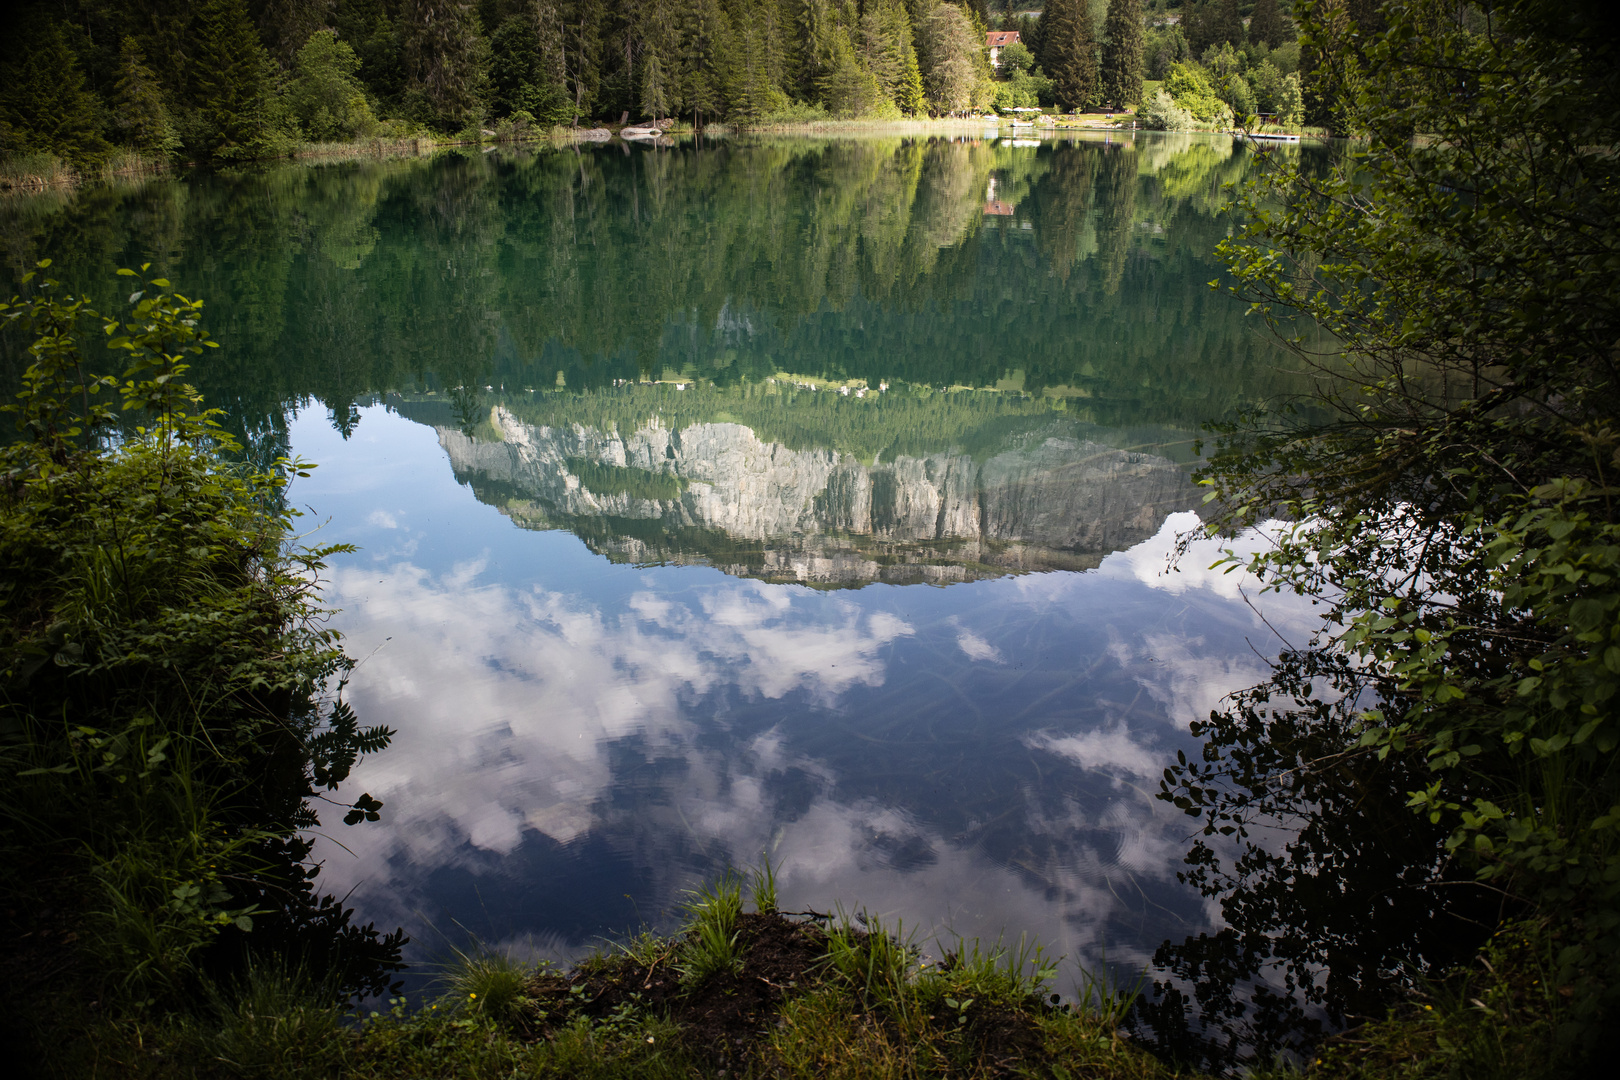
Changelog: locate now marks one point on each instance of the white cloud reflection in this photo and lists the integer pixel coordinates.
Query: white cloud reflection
(509, 703)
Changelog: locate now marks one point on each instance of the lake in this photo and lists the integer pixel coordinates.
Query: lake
(789, 498)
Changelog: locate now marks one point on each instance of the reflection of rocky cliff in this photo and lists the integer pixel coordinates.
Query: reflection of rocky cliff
(714, 493)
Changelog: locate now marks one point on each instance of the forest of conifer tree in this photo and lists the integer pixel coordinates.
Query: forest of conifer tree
(223, 80)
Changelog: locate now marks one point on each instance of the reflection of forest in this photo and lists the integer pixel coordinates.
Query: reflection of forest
(1011, 493)
(849, 259)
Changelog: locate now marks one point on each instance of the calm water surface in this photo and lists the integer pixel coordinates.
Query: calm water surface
(794, 497)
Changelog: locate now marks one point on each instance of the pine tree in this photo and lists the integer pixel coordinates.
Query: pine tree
(756, 64)
(818, 45)
(44, 100)
(232, 85)
(1266, 24)
(1122, 53)
(285, 25)
(443, 62)
(702, 34)
(1228, 25)
(887, 49)
(139, 115)
(909, 96)
(582, 52)
(1070, 59)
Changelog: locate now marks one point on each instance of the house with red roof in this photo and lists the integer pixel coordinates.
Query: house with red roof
(996, 40)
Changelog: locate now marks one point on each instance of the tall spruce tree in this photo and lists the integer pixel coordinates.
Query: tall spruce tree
(1069, 42)
(232, 83)
(703, 31)
(140, 118)
(582, 52)
(285, 25)
(1122, 53)
(1266, 24)
(44, 100)
(443, 62)
(889, 53)
(1228, 24)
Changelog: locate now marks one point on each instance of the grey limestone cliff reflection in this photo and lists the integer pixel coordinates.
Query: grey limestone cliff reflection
(1046, 498)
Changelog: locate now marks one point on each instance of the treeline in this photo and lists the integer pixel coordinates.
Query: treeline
(222, 80)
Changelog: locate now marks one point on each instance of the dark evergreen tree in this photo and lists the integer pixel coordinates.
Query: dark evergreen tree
(44, 100)
(232, 84)
(444, 63)
(886, 45)
(581, 48)
(1228, 25)
(703, 34)
(1266, 24)
(524, 73)
(1209, 23)
(1122, 53)
(1324, 51)
(285, 25)
(1070, 57)
(374, 36)
(140, 119)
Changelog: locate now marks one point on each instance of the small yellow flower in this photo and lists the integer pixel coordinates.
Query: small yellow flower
(472, 995)
(1430, 1008)
(649, 1038)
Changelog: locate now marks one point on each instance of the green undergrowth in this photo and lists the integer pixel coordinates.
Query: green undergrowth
(732, 993)
(1504, 1018)
(170, 696)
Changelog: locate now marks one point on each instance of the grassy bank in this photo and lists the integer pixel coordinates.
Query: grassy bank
(733, 993)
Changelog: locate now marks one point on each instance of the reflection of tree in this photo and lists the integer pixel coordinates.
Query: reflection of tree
(858, 259)
(1328, 884)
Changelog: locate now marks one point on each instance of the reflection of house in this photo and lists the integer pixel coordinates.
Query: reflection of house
(993, 205)
(996, 40)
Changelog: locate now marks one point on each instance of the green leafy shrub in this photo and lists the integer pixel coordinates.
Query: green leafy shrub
(1443, 750)
(169, 698)
(1189, 86)
(1161, 113)
(325, 95)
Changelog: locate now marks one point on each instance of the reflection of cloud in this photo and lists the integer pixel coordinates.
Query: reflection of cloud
(526, 714)
(1185, 676)
(976, 647)
(1111, 750)
(503, 700)
(1149, 563)
(382, 519)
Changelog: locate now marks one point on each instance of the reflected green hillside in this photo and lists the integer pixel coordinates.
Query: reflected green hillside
(722, 264)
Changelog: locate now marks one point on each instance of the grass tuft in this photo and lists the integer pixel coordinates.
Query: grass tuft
(711, 946)
(488, 983)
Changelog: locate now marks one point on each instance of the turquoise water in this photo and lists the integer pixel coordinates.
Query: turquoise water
(806, 498)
